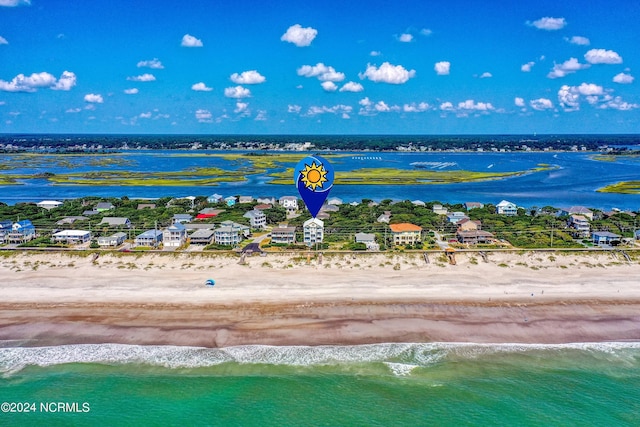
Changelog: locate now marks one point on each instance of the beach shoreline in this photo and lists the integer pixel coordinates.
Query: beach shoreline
(529, 297)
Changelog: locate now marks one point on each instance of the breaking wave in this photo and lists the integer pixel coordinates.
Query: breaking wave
(400, 358)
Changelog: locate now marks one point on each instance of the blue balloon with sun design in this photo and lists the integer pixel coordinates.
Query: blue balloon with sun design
(313, 176)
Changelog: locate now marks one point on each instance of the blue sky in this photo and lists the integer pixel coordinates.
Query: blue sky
(331, 67)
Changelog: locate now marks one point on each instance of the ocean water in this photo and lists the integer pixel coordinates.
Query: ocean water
(440, 384)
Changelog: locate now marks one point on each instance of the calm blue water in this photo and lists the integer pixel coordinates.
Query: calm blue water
(373, 385)
(574, 182)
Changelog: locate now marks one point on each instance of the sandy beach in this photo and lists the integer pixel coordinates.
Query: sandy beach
(55, 298)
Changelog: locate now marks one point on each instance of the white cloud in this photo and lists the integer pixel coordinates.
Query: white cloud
(131, 91)
(579, 40)
(375, 53)
(548, 23)
(299, 36)
(442, 68)
(415, 108)
(201, 87)
(590, 89)
(618, 104)
(382, 107)
(66, 81)
(145, 115)
(569, 98)
(190, 41)
(241, 107)
(623, 78)
(322, 72)
(73, 110)
(94, 98)
(3, 40)
(352, 87)
(470, 104)
(486, 75)
(14, 3)
(569, 66)
(22, 83)
(142, 78)
(251, 77)
(446, 106)
(405, 38)
(602, 56)
(204, 116)
(525, 68)
(340, 109)
(387, 73)
(426, 32)
(237, 92)
(152, 63)
(541, 104)
(294, 108)
(519, 101)
(261, 116)
(329, 86)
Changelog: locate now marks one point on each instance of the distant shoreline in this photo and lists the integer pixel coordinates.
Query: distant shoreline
(515, 297)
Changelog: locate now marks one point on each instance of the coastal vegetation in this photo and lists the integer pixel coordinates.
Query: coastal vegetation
(625, 187)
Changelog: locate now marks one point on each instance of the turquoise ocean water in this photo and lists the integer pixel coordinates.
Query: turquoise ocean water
(370, 385)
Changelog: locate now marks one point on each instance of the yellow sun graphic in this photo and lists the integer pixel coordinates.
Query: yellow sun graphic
(314, 176)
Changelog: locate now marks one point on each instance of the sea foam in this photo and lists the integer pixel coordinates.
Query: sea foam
(400, 358)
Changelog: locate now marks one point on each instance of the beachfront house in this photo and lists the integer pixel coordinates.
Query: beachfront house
(473, 237)
(405, 233)
(229, 233)
(112, 241)
(230, 201)
(245, 199)
(181, 218)
(72, 237)
(215, 198)
(369, 239)
(151, 238)
(257, 218)
(290, 203)
(202, 236)
(71, 220)
(21, 231)
(580, 225)
(104, 206)
(5, 229)
(283, 234)
(604, 238)
(266, 200)
(115, 221)
(577, 210)
(174, 236)
(208, 213)
(335, 201)
(454, 217)
(439, 209)
(49, 204)
(384, 217)
(506, 208)
(468, 225)
(473, 205)
(313, 231)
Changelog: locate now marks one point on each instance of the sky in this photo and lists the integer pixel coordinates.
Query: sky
(331, 67)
